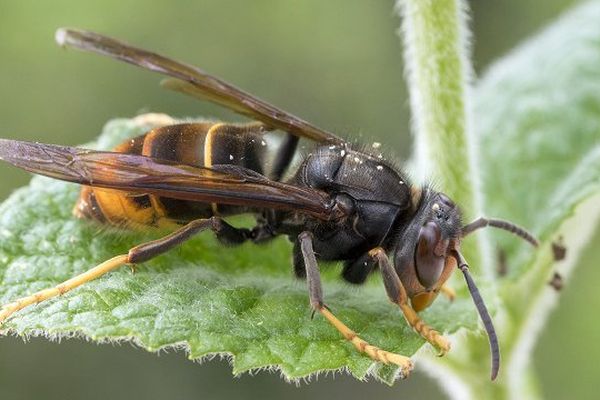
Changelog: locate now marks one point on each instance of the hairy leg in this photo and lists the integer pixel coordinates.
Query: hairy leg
(397, 294)
(316, 300)
(137, 254)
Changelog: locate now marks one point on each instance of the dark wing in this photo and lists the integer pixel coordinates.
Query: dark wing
(227, 184)
(195, 82)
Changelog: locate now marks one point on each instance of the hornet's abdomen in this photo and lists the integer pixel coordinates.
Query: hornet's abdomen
(202, 144)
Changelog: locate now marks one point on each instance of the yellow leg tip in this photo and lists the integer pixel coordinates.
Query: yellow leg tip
(10, 308)
(442, 344)
(406, 365)
(376, 354)
(448, 292)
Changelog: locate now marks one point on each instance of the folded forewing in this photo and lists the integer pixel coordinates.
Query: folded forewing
(225, 184)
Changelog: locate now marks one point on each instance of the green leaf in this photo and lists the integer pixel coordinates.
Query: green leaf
(540, 125)
(539, 118)
(241, 302)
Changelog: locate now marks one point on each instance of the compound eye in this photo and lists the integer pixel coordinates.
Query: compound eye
(429, 260)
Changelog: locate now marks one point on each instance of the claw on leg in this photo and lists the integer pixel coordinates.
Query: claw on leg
(397, 294)
(315, 291)
(448, 292)
(432, 336)
(361, 345)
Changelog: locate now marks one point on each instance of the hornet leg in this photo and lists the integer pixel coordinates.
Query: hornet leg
(397, 294)
(137, 254)
(448, 292)
(316, 301)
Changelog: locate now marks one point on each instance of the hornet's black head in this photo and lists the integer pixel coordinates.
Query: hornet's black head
(428, 251)
(424, 245)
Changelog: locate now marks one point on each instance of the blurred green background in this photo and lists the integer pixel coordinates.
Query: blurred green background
(336, 63)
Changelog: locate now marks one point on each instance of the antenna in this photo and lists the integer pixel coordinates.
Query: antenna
(500, 224)
(483, 313)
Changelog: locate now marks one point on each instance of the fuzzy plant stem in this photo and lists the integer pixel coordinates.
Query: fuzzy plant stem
(438, 72)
